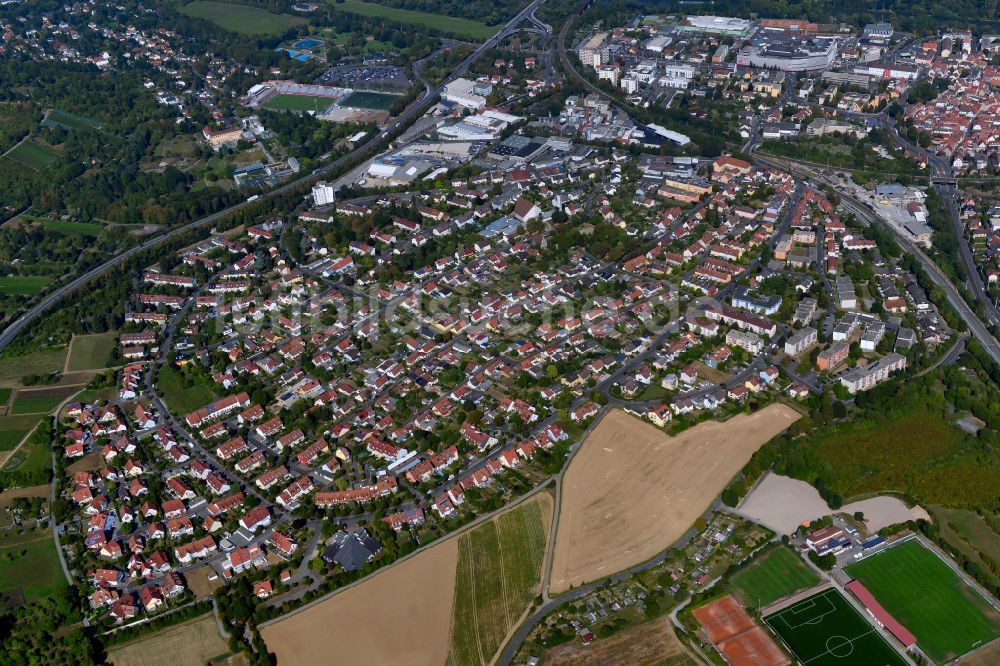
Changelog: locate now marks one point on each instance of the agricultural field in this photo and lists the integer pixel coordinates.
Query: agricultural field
(457, 26)
(366, 99)
(921, 453)
(240, 18)
(289, 102)
(90, 352)
(825, 630)
(776, 574)
(413, 597)
(32, 155)
(920, 590)
(30, 570)
(195, 641)
(69, 121)
(12, 368)
(511, 548)
(178, 397)
(40, 401)
(14, 428)
(632, 490)
(23, 285)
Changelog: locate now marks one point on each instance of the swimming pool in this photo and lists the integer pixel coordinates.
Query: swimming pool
(307, 44)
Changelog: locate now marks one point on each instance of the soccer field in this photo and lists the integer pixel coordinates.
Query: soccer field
(921, 591)
(287, 102)
(825, 630)
(366, 99)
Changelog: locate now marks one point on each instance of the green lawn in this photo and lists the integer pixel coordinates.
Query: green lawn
(73, 228)
(91, 352)
(180, 398)
(364, 99)
(40, 362)
(32, 457)
(23, 285)
(499, 568)
(14, 428)
(825, 630)
(32, 155)
(772, 576)
(916, 587)
(32, 568)
(242, 19)
(457, 26)
(288, 102)
(4, 396)
(69, 121)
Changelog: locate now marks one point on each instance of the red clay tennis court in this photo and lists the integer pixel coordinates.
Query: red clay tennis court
(736, 636)
(752, 648)
(723, 618)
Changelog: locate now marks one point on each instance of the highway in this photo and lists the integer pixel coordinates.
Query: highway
(415, 110)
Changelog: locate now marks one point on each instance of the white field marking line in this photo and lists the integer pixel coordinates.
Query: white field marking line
(815, 619)
(849, 640)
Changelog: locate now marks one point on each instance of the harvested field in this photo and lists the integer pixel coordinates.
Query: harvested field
(413, 598)
(631, 490)
(8, 496)
(193, 642)
(648, 643)
(783, 503)
(736, 636)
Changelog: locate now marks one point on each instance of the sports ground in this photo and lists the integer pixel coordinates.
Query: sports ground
(291, 102)
(923, 593)
(825, 630)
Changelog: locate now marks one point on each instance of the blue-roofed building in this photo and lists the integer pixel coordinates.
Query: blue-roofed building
(506, 226)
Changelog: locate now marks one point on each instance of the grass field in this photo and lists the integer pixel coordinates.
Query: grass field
(196, 641)
(970, 534)
(917, 588)
(825, 630)
(772, 576)
(457, 26)
(29, 458)
(91, 352)
(920, 453)
(180, 398)
(69, 121)
(14, 428)
(40, 401)
(499, 568)
(73, 228)
(366, 99)
(242, 19)
(4, 396)
(288, 102)
(44, 361)
(32, 155)
(32, 567)
(23, 285)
